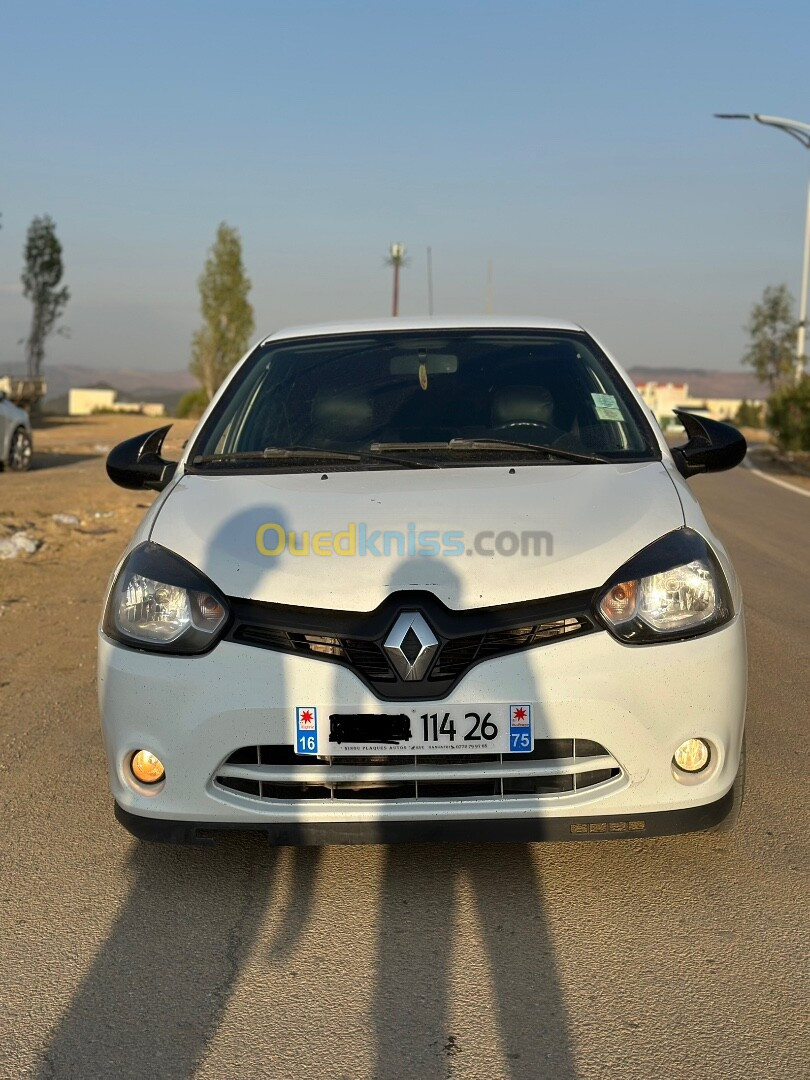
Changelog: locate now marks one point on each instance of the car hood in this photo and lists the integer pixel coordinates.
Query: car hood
(586, 520)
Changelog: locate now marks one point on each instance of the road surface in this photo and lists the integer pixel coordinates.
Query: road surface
(680, 957)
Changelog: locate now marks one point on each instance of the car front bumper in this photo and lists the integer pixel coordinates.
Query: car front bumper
(640, 703)
(499, 830)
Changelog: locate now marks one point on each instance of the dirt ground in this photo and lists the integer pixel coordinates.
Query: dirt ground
(95, 520)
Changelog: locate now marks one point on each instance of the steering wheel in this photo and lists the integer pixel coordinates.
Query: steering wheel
(516, 426)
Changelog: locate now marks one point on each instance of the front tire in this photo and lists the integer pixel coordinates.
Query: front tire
(20, 451)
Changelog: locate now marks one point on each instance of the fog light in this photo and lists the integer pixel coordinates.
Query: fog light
(146, 767)
(692, 756)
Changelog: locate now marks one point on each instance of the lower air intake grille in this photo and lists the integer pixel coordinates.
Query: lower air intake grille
(555, 767)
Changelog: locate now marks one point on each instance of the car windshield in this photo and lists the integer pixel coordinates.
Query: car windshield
(410, 398)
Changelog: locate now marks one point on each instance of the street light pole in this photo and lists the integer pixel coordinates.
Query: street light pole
(803, 301)
(800, 132)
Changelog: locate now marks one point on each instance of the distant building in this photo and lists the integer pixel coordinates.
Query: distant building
(84, 401)
(664, 397)
(22, 391)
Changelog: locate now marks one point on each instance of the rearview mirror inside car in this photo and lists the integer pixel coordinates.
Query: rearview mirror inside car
(137, 462)
(712, 447)
(433, 363)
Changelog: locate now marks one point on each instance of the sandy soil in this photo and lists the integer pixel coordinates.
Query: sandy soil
(68, 479)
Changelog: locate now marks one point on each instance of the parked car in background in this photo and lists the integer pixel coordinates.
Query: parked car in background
(23, 390)
(16, 444)
(417, 580)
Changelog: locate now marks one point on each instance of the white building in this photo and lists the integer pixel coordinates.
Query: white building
(84, 401)
(664, 397)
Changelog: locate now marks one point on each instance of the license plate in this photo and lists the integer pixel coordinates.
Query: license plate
(403, 732)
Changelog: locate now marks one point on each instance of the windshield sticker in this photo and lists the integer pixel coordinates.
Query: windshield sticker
(606, 407)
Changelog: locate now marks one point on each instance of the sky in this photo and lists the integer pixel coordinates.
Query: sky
(571, 143)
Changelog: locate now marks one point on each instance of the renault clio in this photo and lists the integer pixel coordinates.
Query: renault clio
(438, 579)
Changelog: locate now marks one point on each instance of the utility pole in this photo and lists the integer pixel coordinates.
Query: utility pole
(396, 258)
(490, 289)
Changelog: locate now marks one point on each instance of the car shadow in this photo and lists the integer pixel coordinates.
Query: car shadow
(41, 461)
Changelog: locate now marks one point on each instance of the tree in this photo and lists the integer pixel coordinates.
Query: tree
(749, 414)
(772, 328)
(789, 414)
(191, 405)
(226, 312)
(40, 277)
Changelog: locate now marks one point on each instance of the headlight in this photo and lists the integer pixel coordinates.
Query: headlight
(674, 588)
(160, 602)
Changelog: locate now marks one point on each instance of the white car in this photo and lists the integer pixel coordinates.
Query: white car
(425, 579)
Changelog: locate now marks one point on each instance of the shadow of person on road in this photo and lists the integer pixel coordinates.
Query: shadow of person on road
(158, 987)
(436, 903)
(155, 995)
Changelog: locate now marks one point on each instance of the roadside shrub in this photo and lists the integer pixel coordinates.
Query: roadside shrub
(789, 415)
(192, 405)
(749, 414)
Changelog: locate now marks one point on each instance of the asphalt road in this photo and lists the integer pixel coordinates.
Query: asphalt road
(680, 957)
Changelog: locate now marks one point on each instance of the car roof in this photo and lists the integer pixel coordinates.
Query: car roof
(442, 322)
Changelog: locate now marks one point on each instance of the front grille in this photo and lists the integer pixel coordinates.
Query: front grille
(459, 655)
(555, 767)
(366, 657)
(466, 637)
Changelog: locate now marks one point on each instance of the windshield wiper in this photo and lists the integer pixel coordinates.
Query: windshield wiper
(493, 444)
(271, 453)
(566, 455)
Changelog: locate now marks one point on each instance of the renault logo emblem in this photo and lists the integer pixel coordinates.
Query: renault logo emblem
(411, 646)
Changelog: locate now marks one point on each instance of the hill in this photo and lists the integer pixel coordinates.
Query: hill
(132, 384)
(169, 386)
(703, 383)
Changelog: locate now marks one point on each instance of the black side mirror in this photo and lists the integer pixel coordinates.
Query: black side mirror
(712, 446)
(136, 463)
